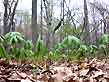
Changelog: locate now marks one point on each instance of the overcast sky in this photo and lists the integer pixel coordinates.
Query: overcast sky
(27, 4)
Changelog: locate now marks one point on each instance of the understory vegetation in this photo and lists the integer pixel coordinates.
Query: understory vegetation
(15, 46)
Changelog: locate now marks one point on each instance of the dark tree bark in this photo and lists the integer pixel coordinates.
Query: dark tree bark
(34, 21)
(107, 22)
(86, 23)
(48, 18)
(102, 10)
(12, 23)
(41, 20)
(5, 19)
(9, 13)
(104, 21)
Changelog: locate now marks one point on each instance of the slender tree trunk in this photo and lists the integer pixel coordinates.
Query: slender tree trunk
(34, 22)
(95, 25)
(48, 8)
(104, 21)
(11, 25)
(62, 17)
(5, 19)
(107, 22)
(86, 23)
(107, 28)
(9, 13)
(41, 20)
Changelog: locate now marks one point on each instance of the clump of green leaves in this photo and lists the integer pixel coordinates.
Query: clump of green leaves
(69, 46)
(104, 39)
(40, 49)
(103, 42)
(71, 41)
(3, 52)
(14, 44)
(27, 50)
(28, 45)
(1, 39)
(92, 50)
(13, 38)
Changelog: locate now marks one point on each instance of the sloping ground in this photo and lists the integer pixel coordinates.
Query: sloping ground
(93, 71)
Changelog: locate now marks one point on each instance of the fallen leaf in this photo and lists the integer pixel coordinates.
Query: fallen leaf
(22, 75)
(26, 80)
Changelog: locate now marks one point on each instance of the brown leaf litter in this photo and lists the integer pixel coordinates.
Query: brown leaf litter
(93, 71)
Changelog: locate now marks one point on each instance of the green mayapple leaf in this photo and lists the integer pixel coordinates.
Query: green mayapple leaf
(14, 37)
(28, 45)
(102, 46)
(83, 48)
(104, 39)
(71, 41)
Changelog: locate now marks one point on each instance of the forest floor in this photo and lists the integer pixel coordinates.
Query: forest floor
(91, 71)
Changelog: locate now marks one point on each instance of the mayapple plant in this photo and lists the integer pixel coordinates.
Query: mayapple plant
(40, 49)
(3, 52)
(12, 39)
(71, 41)
(103, 42)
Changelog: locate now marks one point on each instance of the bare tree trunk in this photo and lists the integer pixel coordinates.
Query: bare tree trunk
(41, 20)
(95, 25)
(48, 21)
(9, 13)
(104, 21)
(5, 19)
(48, 8)
(86, 23)
(34, 21)
(107, 22)
(62, 17)
(11, 25)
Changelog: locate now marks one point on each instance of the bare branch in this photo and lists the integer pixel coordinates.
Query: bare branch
(13, 14)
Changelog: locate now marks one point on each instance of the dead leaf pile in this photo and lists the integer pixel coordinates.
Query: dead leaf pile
(93, 71)
(15, 72)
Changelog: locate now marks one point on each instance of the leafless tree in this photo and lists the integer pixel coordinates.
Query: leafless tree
(9, 13)
(48, 4)
(102, 11)
(41, 19)
(86, 22)
(34, 21)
